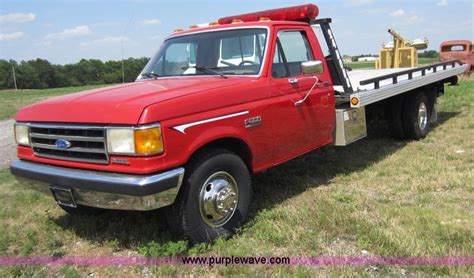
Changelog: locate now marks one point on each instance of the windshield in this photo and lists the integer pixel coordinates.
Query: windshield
(229, 52)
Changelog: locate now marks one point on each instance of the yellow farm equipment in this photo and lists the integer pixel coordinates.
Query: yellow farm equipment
(400, 53)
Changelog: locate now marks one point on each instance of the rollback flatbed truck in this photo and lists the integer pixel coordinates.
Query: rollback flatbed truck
(216, 104)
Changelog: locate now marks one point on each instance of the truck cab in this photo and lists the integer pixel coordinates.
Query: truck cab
(458, 50)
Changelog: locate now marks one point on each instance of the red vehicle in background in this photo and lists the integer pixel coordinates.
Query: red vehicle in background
(461, 50)
(216, 104)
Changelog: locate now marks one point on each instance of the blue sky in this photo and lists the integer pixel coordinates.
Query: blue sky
(66, 31)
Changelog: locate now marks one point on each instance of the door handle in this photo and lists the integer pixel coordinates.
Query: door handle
(293, 80)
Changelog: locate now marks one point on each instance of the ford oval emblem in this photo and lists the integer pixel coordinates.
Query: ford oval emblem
(62, 144)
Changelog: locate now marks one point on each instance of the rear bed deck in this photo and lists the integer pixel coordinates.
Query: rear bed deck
(356, 76)
(374, 85)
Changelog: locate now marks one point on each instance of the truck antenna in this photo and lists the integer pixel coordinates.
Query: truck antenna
(122, 41)
(14, 76)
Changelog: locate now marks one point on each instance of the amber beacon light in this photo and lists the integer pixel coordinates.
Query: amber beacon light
(296, 13)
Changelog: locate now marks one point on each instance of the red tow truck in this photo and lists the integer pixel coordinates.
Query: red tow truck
(214, 105)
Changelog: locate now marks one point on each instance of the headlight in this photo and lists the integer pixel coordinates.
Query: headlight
(21, 134)
(130, 141)
(120, 141)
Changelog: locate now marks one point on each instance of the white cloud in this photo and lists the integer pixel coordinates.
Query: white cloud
(106, 41)
(413, 18)
(442, 3)
(82, 30)
(397, 13)
(43, 44)
(11, 36)
(404, 17)
(17, 17)
(152, 22)
(358, 2)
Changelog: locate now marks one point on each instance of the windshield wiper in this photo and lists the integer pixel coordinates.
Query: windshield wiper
(150, 75)
(208, 69)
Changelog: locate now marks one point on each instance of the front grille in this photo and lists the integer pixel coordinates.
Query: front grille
(87, 144)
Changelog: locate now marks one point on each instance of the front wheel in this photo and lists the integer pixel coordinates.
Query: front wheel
(215, 197)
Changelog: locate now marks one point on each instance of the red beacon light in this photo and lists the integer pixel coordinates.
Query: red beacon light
(296, 13)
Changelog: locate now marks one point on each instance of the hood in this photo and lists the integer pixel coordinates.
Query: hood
(122, 104)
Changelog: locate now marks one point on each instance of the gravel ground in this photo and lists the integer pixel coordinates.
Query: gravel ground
(7, 143)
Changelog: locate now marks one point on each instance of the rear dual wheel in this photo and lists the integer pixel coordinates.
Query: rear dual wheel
(416, 116)
(394, 117)
(409, 116)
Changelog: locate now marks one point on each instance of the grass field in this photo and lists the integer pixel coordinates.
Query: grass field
(375, 197)
(371, 65)
(11, 100)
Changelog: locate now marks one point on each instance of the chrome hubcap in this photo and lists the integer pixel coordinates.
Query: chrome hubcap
(218, 199)
(422, 116)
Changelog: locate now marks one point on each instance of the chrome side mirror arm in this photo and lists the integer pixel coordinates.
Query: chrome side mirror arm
(309, 68)
(316, 81)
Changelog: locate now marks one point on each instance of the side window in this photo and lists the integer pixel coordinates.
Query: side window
(292, 48)
(458, 48)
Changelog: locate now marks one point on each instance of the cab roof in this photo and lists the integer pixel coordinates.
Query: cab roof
(267, 24)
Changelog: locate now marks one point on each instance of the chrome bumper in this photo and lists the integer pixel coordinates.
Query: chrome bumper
(103, 189)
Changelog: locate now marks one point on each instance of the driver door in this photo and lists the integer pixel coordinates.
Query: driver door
(297, 128)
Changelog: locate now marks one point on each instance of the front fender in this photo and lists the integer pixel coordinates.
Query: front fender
(180, 146)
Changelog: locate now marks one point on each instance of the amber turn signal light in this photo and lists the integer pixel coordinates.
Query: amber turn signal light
(148, 141)
(354, 101)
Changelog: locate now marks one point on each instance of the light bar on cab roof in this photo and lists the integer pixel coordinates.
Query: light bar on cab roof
(296, 13)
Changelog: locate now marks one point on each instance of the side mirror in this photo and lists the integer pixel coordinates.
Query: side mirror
(312, 67)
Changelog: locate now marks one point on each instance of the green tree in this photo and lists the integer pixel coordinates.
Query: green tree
(40, 73)
(428, 54)
(6, 81)
(27, 77)
(45, 72)
(61, 77)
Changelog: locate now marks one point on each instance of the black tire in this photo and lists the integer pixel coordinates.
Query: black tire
(413, 127)
(394, 117)
(186, 217)
(82, 210)
(454, 81)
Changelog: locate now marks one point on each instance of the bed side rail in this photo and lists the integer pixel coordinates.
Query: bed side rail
(417, 78)
(409, 72)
